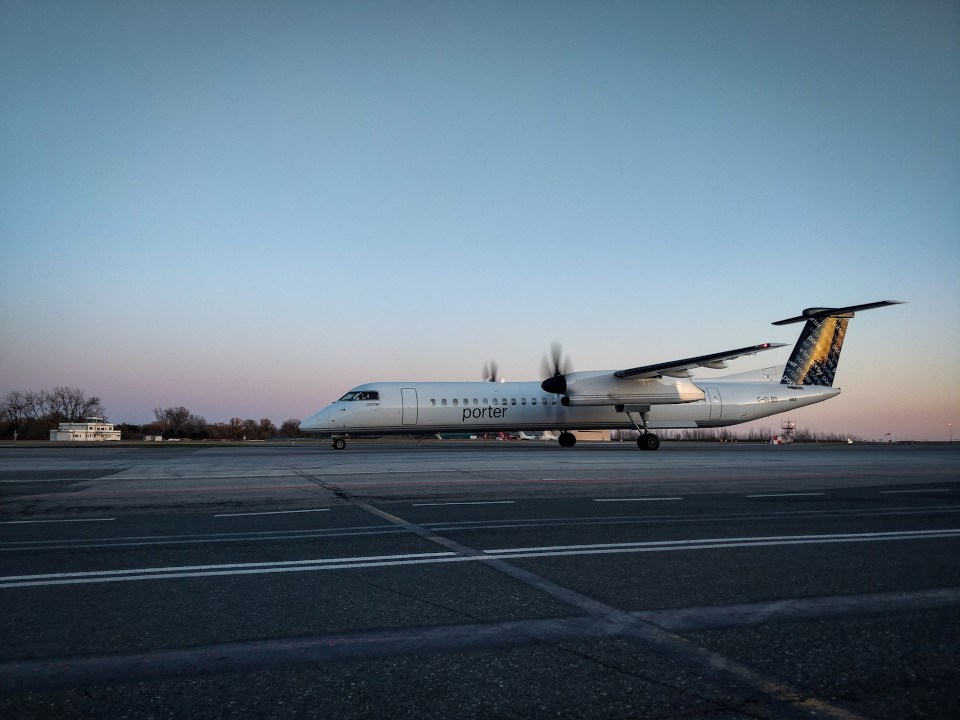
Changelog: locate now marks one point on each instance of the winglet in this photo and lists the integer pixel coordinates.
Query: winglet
(819, 312)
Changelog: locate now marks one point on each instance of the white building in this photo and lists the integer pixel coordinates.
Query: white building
(92, 429)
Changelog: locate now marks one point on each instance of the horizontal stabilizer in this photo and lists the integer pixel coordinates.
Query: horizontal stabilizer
(810, 313)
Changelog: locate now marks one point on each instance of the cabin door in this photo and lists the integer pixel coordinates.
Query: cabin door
(409, 406)
(716, 408)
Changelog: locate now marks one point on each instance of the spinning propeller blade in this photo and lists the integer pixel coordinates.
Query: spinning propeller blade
(555, 367)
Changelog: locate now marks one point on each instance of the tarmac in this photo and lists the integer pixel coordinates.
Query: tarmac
(480, 579)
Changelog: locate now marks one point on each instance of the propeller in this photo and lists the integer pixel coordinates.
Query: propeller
(490, 371)
(555, 367)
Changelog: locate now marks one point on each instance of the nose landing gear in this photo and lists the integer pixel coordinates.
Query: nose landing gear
(567, 439)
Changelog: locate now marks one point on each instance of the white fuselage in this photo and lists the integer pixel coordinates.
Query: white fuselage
(417, 407)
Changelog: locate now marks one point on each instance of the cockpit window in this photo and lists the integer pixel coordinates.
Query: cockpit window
(363, 395)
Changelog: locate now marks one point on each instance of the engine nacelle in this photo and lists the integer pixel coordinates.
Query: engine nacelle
(607, 389)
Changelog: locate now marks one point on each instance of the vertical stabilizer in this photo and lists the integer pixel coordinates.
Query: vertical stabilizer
(815, 356)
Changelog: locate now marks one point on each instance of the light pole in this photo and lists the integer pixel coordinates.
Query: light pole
(950, 428)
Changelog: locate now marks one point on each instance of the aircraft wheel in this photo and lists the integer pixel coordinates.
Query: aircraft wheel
(648, 441)
(339, 444)
(567, 439)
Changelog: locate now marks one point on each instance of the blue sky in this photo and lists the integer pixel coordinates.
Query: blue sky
(248, 208)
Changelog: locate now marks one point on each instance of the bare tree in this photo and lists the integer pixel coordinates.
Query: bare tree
(179, 421)
(72, 404)
(37, 403)
(14, 406)
(235, 428)
(251, 430)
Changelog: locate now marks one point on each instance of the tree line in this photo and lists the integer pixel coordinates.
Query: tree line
(32, 414)
(179, 422)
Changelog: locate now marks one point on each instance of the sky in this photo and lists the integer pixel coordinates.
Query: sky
(248, 208)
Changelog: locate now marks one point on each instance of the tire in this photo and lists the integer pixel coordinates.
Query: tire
(567, 439)
(648, 441)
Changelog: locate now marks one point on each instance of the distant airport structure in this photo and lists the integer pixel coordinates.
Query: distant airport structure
(93, 429)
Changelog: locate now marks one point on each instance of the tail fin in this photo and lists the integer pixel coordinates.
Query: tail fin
(815, 356)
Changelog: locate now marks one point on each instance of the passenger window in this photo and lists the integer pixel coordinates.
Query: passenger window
(443, 402)
(523, 401)
(466, 401)
(454, 402)
(485, 401)
(513, 401)
(433, 402)
(533, 401)
(475, 401)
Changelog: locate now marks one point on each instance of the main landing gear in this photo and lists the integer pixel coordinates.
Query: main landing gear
(339, 443)
(647, 440)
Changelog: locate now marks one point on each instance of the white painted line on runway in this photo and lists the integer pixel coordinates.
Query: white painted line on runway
(280, 566)
(716, 543)
(374, 561)
(45, 480)
(479, 502)
(272, 512)
(786, 495)
(639, 499)
(896, 492)
(30, 522)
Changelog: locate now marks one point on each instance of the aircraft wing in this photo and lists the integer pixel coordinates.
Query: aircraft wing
(681, 368)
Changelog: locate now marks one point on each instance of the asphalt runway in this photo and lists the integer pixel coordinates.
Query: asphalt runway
(480, 579)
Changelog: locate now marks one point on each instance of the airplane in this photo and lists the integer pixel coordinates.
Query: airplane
(659, 396)
(545, 435)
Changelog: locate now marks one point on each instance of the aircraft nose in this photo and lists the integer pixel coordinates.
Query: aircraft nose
(317, 421)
